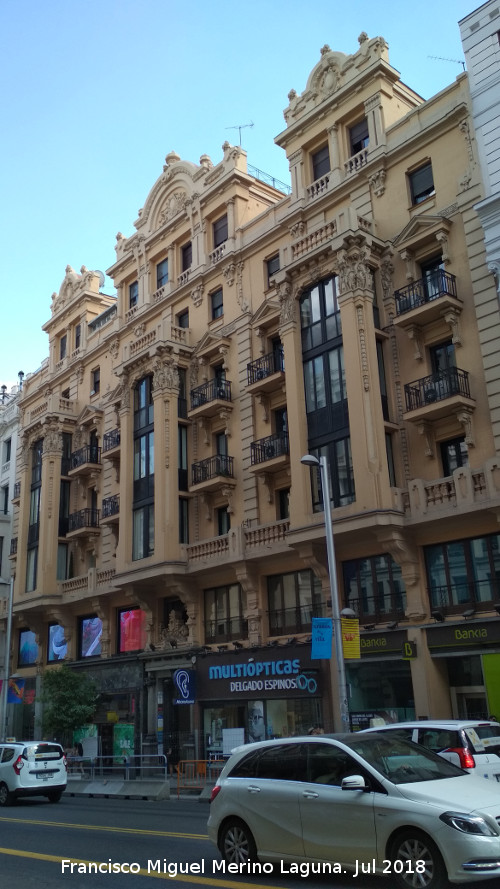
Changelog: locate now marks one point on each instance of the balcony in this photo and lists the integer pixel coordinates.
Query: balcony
(226, 629)
(479, 596)
(85, 461)
(211, 474)
(286, 621)
(111, 445)
(207, 400)
(438, 395)
(427, 300)
(266, 373)
(83, 522)
(379, 609)
(110, 512)
(272, 451)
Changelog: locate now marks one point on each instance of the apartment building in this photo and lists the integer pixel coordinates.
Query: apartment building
(169, 540)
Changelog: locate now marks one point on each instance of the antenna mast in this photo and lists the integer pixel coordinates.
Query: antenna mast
(240, 127)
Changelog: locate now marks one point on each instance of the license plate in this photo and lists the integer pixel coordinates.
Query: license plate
(45, 775)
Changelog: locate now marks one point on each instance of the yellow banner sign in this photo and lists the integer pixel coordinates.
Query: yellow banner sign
(350, 638)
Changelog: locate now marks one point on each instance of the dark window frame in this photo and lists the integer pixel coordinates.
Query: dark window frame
(162, 272)
(217, 303)
(320, 162)
(220, 232)
(421, 183)
(133, 294)
(359, 137)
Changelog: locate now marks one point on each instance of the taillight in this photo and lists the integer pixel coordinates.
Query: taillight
(18, 765)
(215, 791)
(65, 763)
(466, 758)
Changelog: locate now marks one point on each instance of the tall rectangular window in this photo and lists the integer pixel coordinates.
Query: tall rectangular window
(186, 256)
(96, 381)
(272, 266)
(358, 136)
(162, 273)
(220, 231)
(421, 183)
(133, 294)
(143, 471)
(320, 163)
(63, 347)
(294, 599)
(183, 520)
(225, 607)
(78, 335)
(217, 304)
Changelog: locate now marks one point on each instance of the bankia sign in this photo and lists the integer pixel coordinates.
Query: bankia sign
(281, 673)
(464, 636)
(390, 644)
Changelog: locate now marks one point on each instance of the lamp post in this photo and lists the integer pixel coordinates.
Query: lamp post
(322, 463)
(6, 662)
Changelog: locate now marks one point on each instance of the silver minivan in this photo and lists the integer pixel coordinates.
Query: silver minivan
(32, 768)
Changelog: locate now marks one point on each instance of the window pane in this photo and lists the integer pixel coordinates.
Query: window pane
(458, 572)
(337, 375)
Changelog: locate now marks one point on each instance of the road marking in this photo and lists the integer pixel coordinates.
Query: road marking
(133, 830)
(183, 878)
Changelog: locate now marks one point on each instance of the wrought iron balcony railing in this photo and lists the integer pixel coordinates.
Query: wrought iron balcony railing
(477, 594)
(212, 467)
(437, 387)
(110, 506)
(84, 518)
(226, 629)
(110, 440)
(294, 620)
(434, 286)
(264, 367)
(87, 454)
(380, 608)
(210, 391)
(268, 448)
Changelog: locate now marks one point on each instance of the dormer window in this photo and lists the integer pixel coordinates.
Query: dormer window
(320, 163)
(358, 136)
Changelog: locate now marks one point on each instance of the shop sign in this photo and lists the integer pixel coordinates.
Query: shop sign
(467, 634)
(289, 674)
(383, 644)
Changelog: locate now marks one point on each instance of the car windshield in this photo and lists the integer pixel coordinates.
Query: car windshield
(42, 751)
(402, 762)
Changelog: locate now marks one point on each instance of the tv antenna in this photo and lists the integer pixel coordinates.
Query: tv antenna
(456, 61)
(240, 127)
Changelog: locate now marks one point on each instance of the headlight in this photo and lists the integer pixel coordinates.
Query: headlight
(468, 824)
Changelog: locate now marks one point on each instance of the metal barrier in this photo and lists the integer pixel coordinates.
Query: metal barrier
(131, 767)
(193, 774)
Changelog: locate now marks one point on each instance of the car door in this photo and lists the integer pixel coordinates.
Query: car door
(268, 799)
(337, 825)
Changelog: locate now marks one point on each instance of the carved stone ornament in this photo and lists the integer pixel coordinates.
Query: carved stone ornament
(377, 182)
(139, 330)
(197, 294)
(353, 271)
(229, 272)
(287, 302)
(176, 631)
(176, 203)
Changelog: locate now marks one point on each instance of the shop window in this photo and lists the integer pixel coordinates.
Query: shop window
(57, 645)
(28, 649)
(131, 630)
(89, 636)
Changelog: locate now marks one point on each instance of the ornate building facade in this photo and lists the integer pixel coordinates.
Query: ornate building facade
(169, 540)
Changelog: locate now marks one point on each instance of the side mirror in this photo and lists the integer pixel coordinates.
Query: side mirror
(354, 782)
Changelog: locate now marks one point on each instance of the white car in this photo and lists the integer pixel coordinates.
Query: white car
(471, 744)
(368, 803)
(32, 768)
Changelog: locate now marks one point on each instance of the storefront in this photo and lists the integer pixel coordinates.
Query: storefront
(380, 683)
(471, 650)
(258, 694)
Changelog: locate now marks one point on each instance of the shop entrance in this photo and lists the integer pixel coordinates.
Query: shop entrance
(469, 703)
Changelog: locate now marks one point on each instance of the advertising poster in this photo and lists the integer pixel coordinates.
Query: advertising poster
(15, 694)
(132, 630)
(123, 740)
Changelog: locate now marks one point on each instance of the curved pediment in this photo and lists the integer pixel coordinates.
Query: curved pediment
(74, 285)
(172, 193)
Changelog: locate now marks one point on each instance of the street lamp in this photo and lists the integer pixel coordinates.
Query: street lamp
(6, 661)
(322, 463)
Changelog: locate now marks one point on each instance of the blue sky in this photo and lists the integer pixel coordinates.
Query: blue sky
(96, 92)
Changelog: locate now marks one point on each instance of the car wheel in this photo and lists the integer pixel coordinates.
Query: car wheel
(55, 796)
(236, 843)
(417, 862)
(5, 795)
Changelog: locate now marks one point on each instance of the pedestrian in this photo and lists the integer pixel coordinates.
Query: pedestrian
(316, 730)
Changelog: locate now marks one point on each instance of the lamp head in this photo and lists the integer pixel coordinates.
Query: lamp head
(309, 460)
